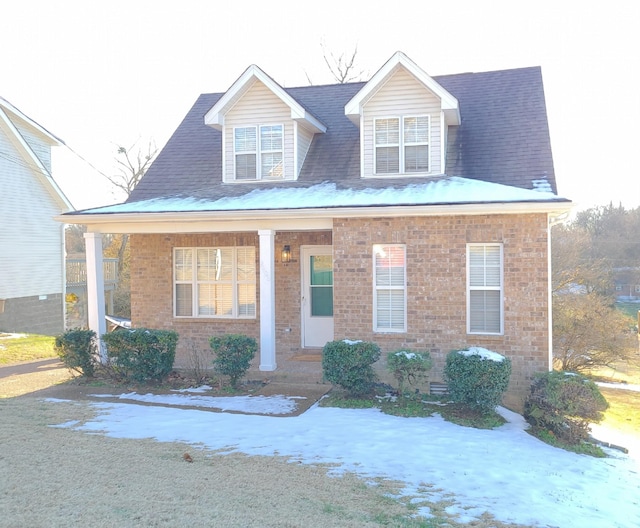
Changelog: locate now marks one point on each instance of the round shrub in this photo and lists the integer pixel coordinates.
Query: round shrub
(234, 353)
(408, 366)
(77, 350)
(564, 403)
(141, 354)
(477, 377)
(349, 364)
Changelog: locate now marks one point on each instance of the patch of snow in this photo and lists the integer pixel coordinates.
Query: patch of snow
(350, 342)
(505, 471)
(248, 404)
(408, 355)
(483, 353)
(621, 386)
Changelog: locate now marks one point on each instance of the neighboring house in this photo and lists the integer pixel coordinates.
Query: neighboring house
(409, 210)
(32, 282)
(627, 284)
(77, 298)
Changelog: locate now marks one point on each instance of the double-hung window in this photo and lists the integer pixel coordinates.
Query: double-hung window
(258, 152)
(402, 145)
(215, 282)
(389, 288)
(484, 289)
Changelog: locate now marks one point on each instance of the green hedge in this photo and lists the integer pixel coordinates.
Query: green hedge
(141, 354)
(234, 353)
(349, 364)
(77, 350)
(408, 366)
(477, 377)
(564, 403)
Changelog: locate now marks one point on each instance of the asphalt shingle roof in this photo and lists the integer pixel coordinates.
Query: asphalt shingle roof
(503, 138)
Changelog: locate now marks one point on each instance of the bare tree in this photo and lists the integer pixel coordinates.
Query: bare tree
(342, 67)
(590, 333)
(132, 164)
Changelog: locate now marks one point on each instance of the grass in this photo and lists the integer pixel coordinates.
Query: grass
(25, 347)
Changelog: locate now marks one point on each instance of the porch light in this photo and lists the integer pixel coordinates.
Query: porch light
(285, 256)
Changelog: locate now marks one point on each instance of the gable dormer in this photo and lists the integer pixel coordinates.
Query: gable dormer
(266, 133)
(403, 116)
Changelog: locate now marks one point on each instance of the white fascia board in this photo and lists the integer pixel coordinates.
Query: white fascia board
(215, 116)
(53, 140)
(291, 219)
(34, 161)
(448, 102)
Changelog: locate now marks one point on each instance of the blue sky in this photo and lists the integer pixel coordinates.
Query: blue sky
(99, 75)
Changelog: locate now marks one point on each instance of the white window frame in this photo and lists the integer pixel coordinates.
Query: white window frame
(260, 152)
(235, 283)
(401, 145)
(486, 287)
(378, 249)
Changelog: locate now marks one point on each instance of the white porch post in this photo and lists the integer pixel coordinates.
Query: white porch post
(95, 289)
(267, 300)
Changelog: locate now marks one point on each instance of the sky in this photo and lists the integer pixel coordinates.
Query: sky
(125, 73)
(504, 471)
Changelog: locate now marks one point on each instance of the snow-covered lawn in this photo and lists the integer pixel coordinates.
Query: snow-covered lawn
(505, 471)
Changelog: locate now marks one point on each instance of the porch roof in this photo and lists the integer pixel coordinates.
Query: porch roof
(403, 193)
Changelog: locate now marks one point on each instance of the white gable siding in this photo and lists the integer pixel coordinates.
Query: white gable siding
(402, 95)
(30, 240)
(304, 144)
(259, 106)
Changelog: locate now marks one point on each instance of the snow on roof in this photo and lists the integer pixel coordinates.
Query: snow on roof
(452, 190)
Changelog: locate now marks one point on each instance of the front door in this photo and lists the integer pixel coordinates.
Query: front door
(317, 295)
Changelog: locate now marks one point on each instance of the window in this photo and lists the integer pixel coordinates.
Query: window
(402, 145)
(390, 288)
(215, 282)
(484, 288)
(258, 156)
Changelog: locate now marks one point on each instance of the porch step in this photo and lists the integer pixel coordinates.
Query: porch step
(306, 357)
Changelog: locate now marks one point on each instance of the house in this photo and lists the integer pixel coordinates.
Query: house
(409, 210)
(626, 282)
(32, 279)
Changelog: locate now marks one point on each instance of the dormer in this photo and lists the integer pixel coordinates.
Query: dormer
(266, 133)
(404, 116)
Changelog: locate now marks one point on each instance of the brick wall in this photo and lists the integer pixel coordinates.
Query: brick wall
(436, 287)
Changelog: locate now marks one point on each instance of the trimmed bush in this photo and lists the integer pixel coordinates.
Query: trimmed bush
(234, 353)
(349, 364)
(77, 350)
(141, 354)
(564, 403)
(408, 366)
(477, 377)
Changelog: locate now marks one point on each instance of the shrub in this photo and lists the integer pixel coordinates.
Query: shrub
(234, 353)
(77, 350)
(564, 404)
(407, 366)
(141, 354)
(349, 364)
(477, 377)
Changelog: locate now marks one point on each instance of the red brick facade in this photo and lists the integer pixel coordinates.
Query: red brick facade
(436, 288)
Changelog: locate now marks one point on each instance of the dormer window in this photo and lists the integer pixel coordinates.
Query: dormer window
(402, 145)
(259, 155)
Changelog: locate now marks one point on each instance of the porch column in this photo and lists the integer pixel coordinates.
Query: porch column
(95, 289)
(267, 300)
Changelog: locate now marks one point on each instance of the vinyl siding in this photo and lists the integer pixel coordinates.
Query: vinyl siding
(304, 142)
(30, 240)
(259, 106)
(402, 95)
